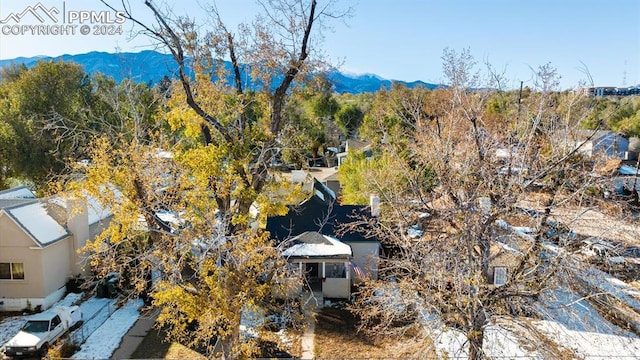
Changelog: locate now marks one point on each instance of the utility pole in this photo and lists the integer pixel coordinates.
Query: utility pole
(519, 105)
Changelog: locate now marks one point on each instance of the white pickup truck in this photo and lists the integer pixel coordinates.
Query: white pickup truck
(42, 330)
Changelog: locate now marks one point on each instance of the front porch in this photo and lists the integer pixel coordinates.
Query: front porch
(330, 277)
(322, 262)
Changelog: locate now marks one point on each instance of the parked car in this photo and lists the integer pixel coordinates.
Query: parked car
(42, 330)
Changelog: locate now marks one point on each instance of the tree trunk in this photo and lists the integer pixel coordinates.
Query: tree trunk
(476, 335)
(228, 345)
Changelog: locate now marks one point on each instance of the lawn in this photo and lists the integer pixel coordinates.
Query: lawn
(336, 337)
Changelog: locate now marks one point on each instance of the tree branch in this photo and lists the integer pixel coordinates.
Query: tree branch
(294, 69)
(174, 45)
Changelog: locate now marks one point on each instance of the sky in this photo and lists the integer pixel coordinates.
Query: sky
(395, 39)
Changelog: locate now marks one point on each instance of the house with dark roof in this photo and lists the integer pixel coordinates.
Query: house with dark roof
(348, 224)
(602, 142)
(39, 243)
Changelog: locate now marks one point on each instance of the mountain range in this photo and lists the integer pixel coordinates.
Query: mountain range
(151, 66)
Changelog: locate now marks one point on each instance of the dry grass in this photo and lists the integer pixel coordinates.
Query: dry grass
(336, 337)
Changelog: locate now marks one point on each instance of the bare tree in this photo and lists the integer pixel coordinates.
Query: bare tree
(472, 210)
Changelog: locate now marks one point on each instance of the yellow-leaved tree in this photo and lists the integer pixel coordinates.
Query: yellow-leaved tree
(182, 229)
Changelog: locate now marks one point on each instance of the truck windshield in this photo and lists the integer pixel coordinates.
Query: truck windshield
(36, 326)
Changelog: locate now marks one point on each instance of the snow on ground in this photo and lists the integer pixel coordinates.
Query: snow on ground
(69, 300)
(499, 342)
(9, 327)
(94, 313)
(253, 319)
(450, 342)
(103, 326)
(579, 327)
(250, 321)
(574, 324)
(569, 320)
(107, 337)
(605, 282)
(574, 313)
(591, 345)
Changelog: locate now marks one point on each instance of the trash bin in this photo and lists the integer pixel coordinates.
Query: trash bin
(101, 290)
(111, 287)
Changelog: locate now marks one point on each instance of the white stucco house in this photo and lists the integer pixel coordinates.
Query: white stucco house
(40, 241)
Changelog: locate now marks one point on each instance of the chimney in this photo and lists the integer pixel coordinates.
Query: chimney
(78, 226)
(298, 176)
(374, 201)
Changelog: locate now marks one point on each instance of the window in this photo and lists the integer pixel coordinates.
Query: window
(11, 271)
(336, 270)
(500, 276)
(55, 322)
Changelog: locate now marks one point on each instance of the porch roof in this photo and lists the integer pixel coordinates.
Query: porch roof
(314, 244)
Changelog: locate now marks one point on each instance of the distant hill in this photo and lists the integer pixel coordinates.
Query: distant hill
(151, 66)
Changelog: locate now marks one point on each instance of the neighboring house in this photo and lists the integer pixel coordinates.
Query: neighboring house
(603, 142)
(333, 182)
(354, 145)
(329, 177)
(15, 196)
(326, 175)
(504, 250)
(39, 243)
(502, 260)
(325, 261)
(321, 213)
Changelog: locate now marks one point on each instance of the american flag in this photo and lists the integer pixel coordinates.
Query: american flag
(357, 270)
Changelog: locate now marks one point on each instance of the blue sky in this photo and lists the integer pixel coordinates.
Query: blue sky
(405, 39)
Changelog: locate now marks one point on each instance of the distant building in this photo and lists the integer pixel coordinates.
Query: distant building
(610, 91)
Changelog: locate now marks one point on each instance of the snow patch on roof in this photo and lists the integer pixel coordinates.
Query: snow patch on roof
(523, 232)
(316, 244)
(95, 211)
(35, 219)
(21, 192)
(627, 170)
